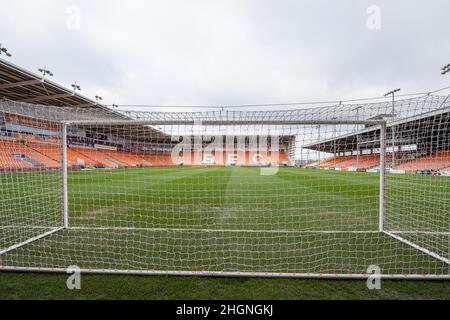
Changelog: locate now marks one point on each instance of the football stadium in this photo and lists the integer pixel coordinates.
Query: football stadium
(323, 192)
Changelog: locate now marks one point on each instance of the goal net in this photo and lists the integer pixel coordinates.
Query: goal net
(315, 192)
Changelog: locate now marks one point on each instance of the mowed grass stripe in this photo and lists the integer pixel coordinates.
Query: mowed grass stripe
(174, 195)
(348, 207)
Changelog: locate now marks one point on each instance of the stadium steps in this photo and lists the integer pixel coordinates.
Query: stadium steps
(32, 162)
(42, 153)
(76, 153)
(54, 152)
(436, 161)
(96, 157)
(32, 157)
(74, 157)
(9, 162)
(129, 159)
(117, 162)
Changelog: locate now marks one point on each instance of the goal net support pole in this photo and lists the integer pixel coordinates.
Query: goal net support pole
(23, 243)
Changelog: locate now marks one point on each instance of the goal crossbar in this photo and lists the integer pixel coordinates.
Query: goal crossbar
(234, 122)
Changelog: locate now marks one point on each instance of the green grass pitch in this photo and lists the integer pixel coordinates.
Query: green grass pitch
(222, 219)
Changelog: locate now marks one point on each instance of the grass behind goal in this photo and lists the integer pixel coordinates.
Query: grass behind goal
(223, 219)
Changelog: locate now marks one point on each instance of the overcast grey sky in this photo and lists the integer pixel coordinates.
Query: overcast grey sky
(204, 52)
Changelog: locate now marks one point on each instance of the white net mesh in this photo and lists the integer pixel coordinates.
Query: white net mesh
(294, 192)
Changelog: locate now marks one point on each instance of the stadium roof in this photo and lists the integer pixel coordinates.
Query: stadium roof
(369, 137)
(336, 112)
(25, 93)
(19, 84)
(28, 94)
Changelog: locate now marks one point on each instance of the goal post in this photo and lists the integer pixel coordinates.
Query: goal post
(251, 194)
(65, 200)
(382, 175)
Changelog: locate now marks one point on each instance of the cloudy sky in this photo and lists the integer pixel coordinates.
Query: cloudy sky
(204, 52)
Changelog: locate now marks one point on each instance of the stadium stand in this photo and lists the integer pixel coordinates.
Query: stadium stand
(95, 157)
(157, 160)
(18, 155)
(436, 161)
(334, 162)
(311, 165)
(361, 162)
(53, 151)
(246, 158)
(365, 162)
(7, 160)
(124, 158)
(28, 151)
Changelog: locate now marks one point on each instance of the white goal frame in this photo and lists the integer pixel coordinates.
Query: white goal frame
(381, 124)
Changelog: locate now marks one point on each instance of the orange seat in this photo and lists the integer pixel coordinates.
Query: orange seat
(435, 161)
(8, 148)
